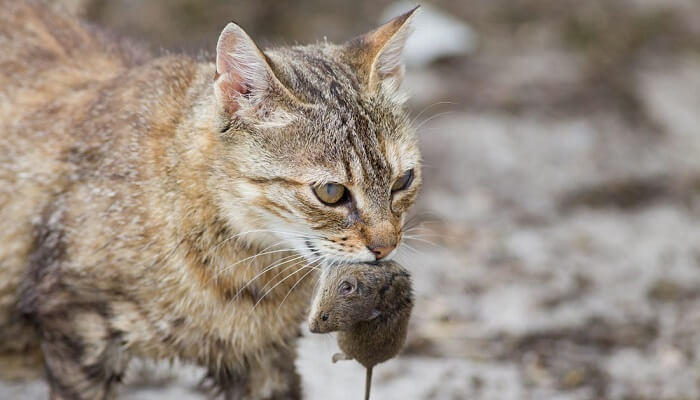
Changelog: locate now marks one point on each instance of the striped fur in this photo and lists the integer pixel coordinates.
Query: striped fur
(140, 216)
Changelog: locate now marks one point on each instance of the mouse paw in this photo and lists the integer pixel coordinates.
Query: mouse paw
(340, 356)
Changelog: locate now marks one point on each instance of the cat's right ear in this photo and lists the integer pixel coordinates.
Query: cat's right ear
(377, 55)
(243, 77)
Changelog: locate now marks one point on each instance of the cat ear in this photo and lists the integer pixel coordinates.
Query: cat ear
(377, 54)
(243, 76)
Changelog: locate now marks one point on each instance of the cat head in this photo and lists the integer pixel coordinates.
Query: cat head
(317, 151)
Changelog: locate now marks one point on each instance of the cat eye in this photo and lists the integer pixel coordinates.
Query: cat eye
(403, 182)
(330, 193)
(346, 287)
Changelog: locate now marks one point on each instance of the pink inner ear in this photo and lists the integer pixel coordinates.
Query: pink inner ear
(241, 70)
(229, 81)
(224, 50)
(232, 83)
(231, 88)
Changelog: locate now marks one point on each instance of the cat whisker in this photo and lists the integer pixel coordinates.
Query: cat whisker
(315, 288)
(413, 121)
(250, 264)
(425, 235)
(415, 219)
(418, 236)
(409, 247)
(290, 233)
(214, 249)
(434, 117)
(263, 251)
(414, 222)
(410, 224)
(283, 271)
(278, 231)
(272, 266)
(420, 232)
(277, 284)
(230, 267)
(295, 285)
(425, 241)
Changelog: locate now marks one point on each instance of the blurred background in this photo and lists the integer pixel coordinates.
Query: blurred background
(557, 251)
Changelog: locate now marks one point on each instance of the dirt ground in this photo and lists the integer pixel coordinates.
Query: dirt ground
(557, 250)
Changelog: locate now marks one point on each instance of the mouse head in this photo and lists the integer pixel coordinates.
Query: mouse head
(348, 294)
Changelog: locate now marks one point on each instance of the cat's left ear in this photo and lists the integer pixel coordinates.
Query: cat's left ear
(244, 79)
(377, 55)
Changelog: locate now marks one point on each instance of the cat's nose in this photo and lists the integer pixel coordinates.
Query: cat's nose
(381, 251)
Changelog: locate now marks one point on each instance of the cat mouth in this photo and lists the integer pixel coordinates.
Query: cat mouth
(316, 252)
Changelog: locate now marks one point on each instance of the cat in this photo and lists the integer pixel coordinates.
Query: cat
(176, 208)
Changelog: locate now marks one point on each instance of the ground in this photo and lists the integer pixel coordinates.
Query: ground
(561, 201)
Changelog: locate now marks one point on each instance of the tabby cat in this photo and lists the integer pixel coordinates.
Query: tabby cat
(175, 208)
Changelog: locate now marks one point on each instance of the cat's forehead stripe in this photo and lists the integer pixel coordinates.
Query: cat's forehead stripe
(355, 139)
(334, 85)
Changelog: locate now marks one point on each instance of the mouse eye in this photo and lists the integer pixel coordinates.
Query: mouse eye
(346, 287)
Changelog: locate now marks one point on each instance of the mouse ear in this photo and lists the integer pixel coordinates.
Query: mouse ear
(348, 285)
(374, 314)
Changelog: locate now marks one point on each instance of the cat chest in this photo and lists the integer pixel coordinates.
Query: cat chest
(206, 328)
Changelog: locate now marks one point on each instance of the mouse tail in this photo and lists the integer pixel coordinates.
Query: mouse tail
(368, 382)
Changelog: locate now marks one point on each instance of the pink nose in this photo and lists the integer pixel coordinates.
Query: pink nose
(381, 251)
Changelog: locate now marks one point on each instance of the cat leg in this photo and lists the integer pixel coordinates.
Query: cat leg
(82, 358)
(274, 376)
(270, 375)
(227, 383)
(340, 356)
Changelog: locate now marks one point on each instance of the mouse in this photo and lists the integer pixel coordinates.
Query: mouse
(369, 305)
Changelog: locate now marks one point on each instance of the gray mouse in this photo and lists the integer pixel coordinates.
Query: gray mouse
(369, 305)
